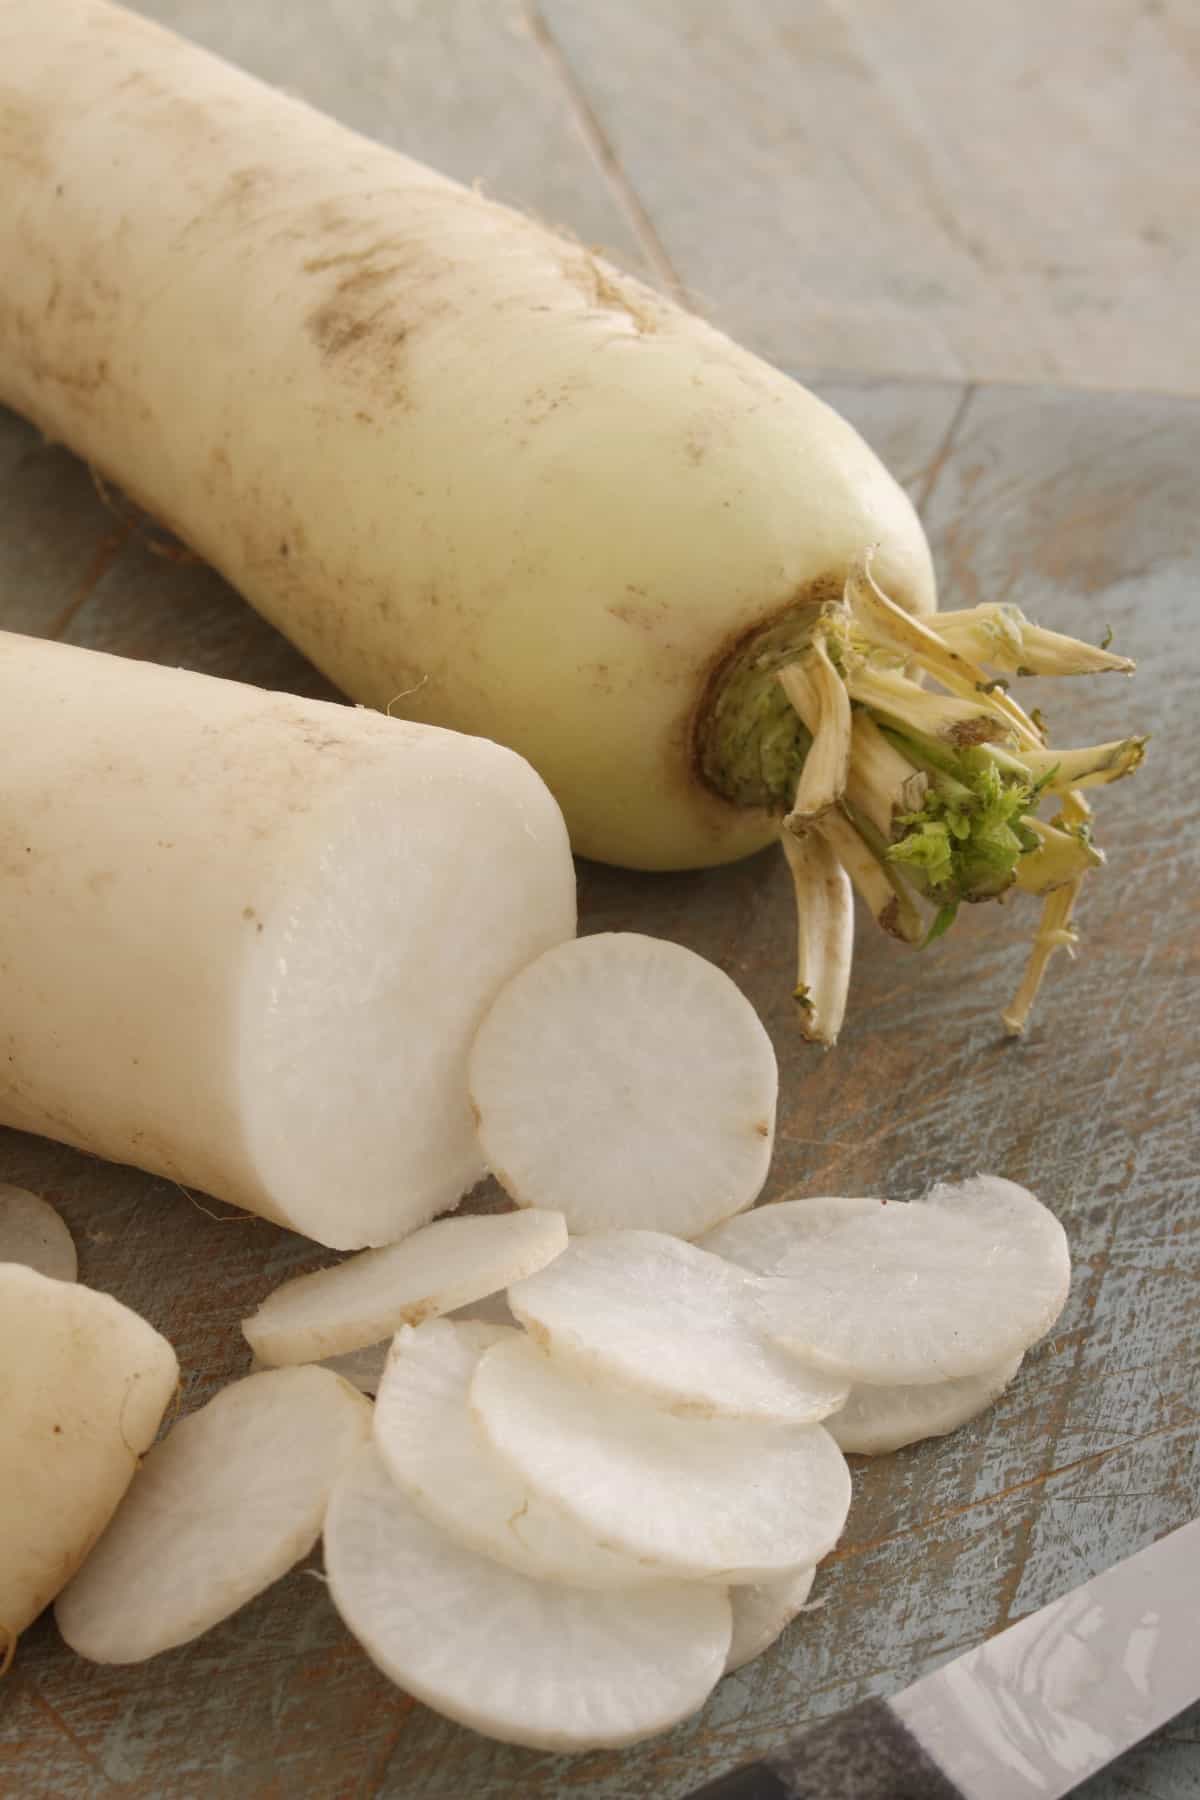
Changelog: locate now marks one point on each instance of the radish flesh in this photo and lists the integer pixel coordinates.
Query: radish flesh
(84, 1383)
(32, 1233)
(707, 1499)
(762, 1612)
(670, 1321)
(493, 557)
(436, 1452)
(528, 1662)
(230, 1500)
(628, 1082)
(329, 898)
(895, 1294)
(876, 1420)
(446, 1265)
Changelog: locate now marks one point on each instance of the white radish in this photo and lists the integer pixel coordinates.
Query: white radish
(529, 1662)
(628, 1082)
(33, 1233)
(448, 1264)
(895, 1294)
(762, 1612)
(84, 1383)
(435, 1450)
(673, 1322)
(233, 1497)
(248, 938)
(702, 1498)
(566, 515)
(876, 1420)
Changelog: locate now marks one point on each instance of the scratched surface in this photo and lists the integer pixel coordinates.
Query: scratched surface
(1081, 506)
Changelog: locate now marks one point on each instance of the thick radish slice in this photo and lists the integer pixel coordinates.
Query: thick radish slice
(370, 1296)
(363, 1368)
(652, 1313)
(701, 1498)
(31, 1232)
(626, 1081)
(762, 1612)
(876, 1420)
(435, 1450)
(529, 1662)
(232, 1497)
(893, 1294)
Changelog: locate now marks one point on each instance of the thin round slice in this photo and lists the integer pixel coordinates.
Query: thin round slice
(652, 1313)
(434, 1449)
(32, 1233)
(894, 1294)
(700, 1498)
(764, 1238)
(626, 1081)
(370, 1296)
(230, 1499)
(876, 1420)
(529, 1662)
(762, 1612)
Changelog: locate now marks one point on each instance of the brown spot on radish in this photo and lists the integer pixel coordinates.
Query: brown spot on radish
(763, 1127)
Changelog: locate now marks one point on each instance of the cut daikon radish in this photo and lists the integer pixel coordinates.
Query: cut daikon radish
(263, 976)
(233, 1496)
(892, 1294)
(448, 1264)
(529, 1662)
(701, 1498)
(84, 1383)
(31, 1232)
(434, 1448)
(626, 1081)
(763, 1239)
(666, 1318)
(876, 1420)
(762, 1612)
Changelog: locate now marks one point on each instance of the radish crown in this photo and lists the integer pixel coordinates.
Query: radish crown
(924, 797)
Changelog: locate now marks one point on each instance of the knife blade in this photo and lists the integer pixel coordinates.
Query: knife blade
(1028, 1715)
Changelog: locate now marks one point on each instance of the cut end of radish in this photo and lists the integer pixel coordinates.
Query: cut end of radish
(410, 907)
(528, 1662)
(227, 1503)
(670, 1320)
(32, 1233)
(444, 1266)
(627, 1082)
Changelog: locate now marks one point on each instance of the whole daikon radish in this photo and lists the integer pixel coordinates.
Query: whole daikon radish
(84, 1383)
(247, 938)
(483, 478)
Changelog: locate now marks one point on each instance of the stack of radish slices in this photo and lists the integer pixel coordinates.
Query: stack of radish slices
(603, 1460)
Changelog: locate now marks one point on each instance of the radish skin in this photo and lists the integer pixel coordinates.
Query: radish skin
(475, 544)
(31, 1232)
(84, 1383)
(248, 938)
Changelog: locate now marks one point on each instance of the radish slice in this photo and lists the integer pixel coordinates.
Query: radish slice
(230, 1499)
(876, 1420)
(626, 1081)
(435, 1450)
(664, 1317)
(32, 1233)
(363, 1369)
(700, 1498)
(529, 1662)
(370, 1296)
(762, 1612)
(893, 1294)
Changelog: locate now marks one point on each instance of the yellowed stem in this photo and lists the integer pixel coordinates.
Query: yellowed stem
(824, 934)
(817, 692)
(1054, 932)
(877, 886)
